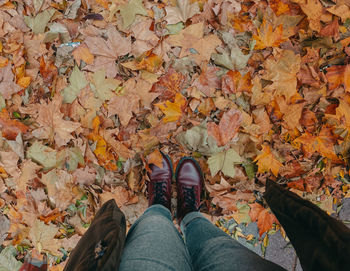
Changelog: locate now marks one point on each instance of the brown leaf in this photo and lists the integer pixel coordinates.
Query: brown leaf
(227, 128)
(123, 106)
(208, 81)
(10, 128)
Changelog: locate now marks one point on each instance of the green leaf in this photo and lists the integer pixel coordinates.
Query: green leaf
(224, 162)
(74, 158)
(102, 87)
(8, 261)
(249, 169)
(39, 22)
(77, 83)
(129, 11)
(175, 28)
(242, 214)
(43, 155)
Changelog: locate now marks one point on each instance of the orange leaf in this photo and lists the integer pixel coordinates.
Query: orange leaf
(155, 158)
(11, 127)
(233, 82)
(278, 7)
(263, 217)
(47, 71)
(266, 161)
(227, 128)
(267, 37)
(169, 84)
(173, 111)
(3, 61)
(24, 81)
(83, 53)
(150, 62)
(103, 3)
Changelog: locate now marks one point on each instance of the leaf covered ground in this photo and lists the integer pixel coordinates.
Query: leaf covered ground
(91, 90)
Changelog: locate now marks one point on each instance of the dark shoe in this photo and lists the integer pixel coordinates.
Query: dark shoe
(159, 186)
(189, 179)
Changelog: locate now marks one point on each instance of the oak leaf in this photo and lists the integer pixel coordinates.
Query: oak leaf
(227, 128)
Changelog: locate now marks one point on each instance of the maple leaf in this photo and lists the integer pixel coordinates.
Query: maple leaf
(77, 83)
(173, 111)
(183, 11)
(233, 82)
(45, 156)
(282, 72)
(10, 128)
(208, 81)
(83, 53)
(53, 126)
(145, 38)
(107, 51)
(103, 87)
(169, 84)
(43, 235)
(323, 143)
(227, 128)
(267, 37)
(266, 161)
(142, 89)
(47, 70)
(263, 217)
(129, 11)
(224, 162)
(338, 75)
(39, 22)
(123, 106)
(7, 82)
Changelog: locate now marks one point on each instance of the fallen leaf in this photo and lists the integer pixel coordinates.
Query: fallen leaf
(42, 237)
(45, 156)
(155, 158)
(83, 53)
(266, 161)
(173, 111)
(123, 106)
(10, 128)
(129, 11)
(104, 87)
(224, 162)
(263, 217)
(208, 81)
(183, 11)
(268, 37)
(227, 128)
(40, 21)
(77, 83)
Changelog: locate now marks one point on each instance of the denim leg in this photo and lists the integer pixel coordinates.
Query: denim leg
(213, 250)
(153, 243)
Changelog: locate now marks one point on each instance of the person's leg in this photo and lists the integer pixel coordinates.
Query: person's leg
(153, 243)
(213, 250)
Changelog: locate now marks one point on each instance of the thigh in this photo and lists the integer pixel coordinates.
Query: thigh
(212, 249)
(153, 243)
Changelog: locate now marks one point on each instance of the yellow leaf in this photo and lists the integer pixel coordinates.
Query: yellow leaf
(24, 81)
(3, 61)
(173, 111)
(267, 37)
(266, 161)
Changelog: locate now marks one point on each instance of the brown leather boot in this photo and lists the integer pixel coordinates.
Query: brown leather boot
(159, 186)
(189, 179)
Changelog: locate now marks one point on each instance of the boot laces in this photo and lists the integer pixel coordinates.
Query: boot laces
(190, 198)
(160, 196)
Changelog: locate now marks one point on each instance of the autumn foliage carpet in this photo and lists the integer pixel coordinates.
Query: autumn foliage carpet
(92, 90)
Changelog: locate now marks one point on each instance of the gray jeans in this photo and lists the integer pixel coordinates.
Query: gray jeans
(154, 244)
